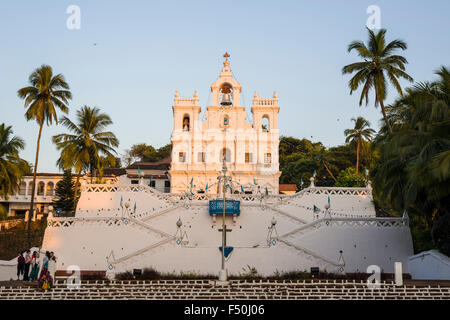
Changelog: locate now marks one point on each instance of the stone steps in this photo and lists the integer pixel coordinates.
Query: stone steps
(235, 289)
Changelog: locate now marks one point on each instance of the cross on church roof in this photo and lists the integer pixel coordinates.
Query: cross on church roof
(226, 56)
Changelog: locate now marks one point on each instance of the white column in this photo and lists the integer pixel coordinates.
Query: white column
(398, 274)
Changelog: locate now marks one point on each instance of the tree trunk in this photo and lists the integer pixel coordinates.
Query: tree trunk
(329, 171)
(357, 156)
(385, 117)
(33, 188)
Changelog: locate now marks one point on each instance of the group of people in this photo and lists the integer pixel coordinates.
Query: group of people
(28, 266)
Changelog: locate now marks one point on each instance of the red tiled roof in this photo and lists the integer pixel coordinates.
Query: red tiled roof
(163, 164)
(147, 176)
(288, 187)
(114, 171)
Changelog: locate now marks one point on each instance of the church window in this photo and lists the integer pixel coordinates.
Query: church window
(226, 120)
(265, 124)
(201, 157)
(182, 157)
(186, 123)
(226, 154)
(267, 158)
(248, 157)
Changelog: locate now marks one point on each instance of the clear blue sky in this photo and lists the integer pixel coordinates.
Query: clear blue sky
(148, 49)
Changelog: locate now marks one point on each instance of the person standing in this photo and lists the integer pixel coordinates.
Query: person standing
(27, 265)
(52, 267)
(20, 265)
(34, 266)
(45, 264)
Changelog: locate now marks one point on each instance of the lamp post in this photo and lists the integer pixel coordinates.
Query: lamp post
(223, 271)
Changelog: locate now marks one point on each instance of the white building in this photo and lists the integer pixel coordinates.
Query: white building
(153, 174)
(199, 147)
(18, 203)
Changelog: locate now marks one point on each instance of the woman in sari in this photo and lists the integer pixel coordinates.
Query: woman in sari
(44, 276)
(34, 266)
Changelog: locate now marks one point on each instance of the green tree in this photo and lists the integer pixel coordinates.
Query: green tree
(83, 149)
(161, 153)
(146, 153)
(360, 134)
(414, 167)
(3, 212)
(45, 94)
(379, 62)
(65, 194)
(350, 178)
(12, 167)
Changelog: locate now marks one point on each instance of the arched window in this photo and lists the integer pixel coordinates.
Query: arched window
(265, 126)
(226, 153)
(30, 188)
(40, 188)
(22, 188)
(50, 189)
(186, 122)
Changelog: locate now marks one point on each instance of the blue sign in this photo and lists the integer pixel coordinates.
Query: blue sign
(227, 251)
(232, 207)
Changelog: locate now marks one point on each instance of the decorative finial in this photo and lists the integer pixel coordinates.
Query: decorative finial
(176, 94)
(226, 63)
(195, 94)
(275, 94)
(255, 95)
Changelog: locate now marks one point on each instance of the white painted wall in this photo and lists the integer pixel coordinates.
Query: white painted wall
(89, 239)
(430, 265)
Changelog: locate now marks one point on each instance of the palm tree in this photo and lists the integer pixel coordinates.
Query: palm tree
(43, 96)
(379, 62)
(89, 145)
(359, 134)
(12, 167)
(414, 170)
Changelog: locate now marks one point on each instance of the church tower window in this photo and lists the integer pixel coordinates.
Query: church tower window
(265, 124)
(186, 123)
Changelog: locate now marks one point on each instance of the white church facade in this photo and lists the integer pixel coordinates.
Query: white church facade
(250, 150)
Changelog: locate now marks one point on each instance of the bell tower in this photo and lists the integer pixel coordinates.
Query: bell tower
(226, 91)
(250, 150)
